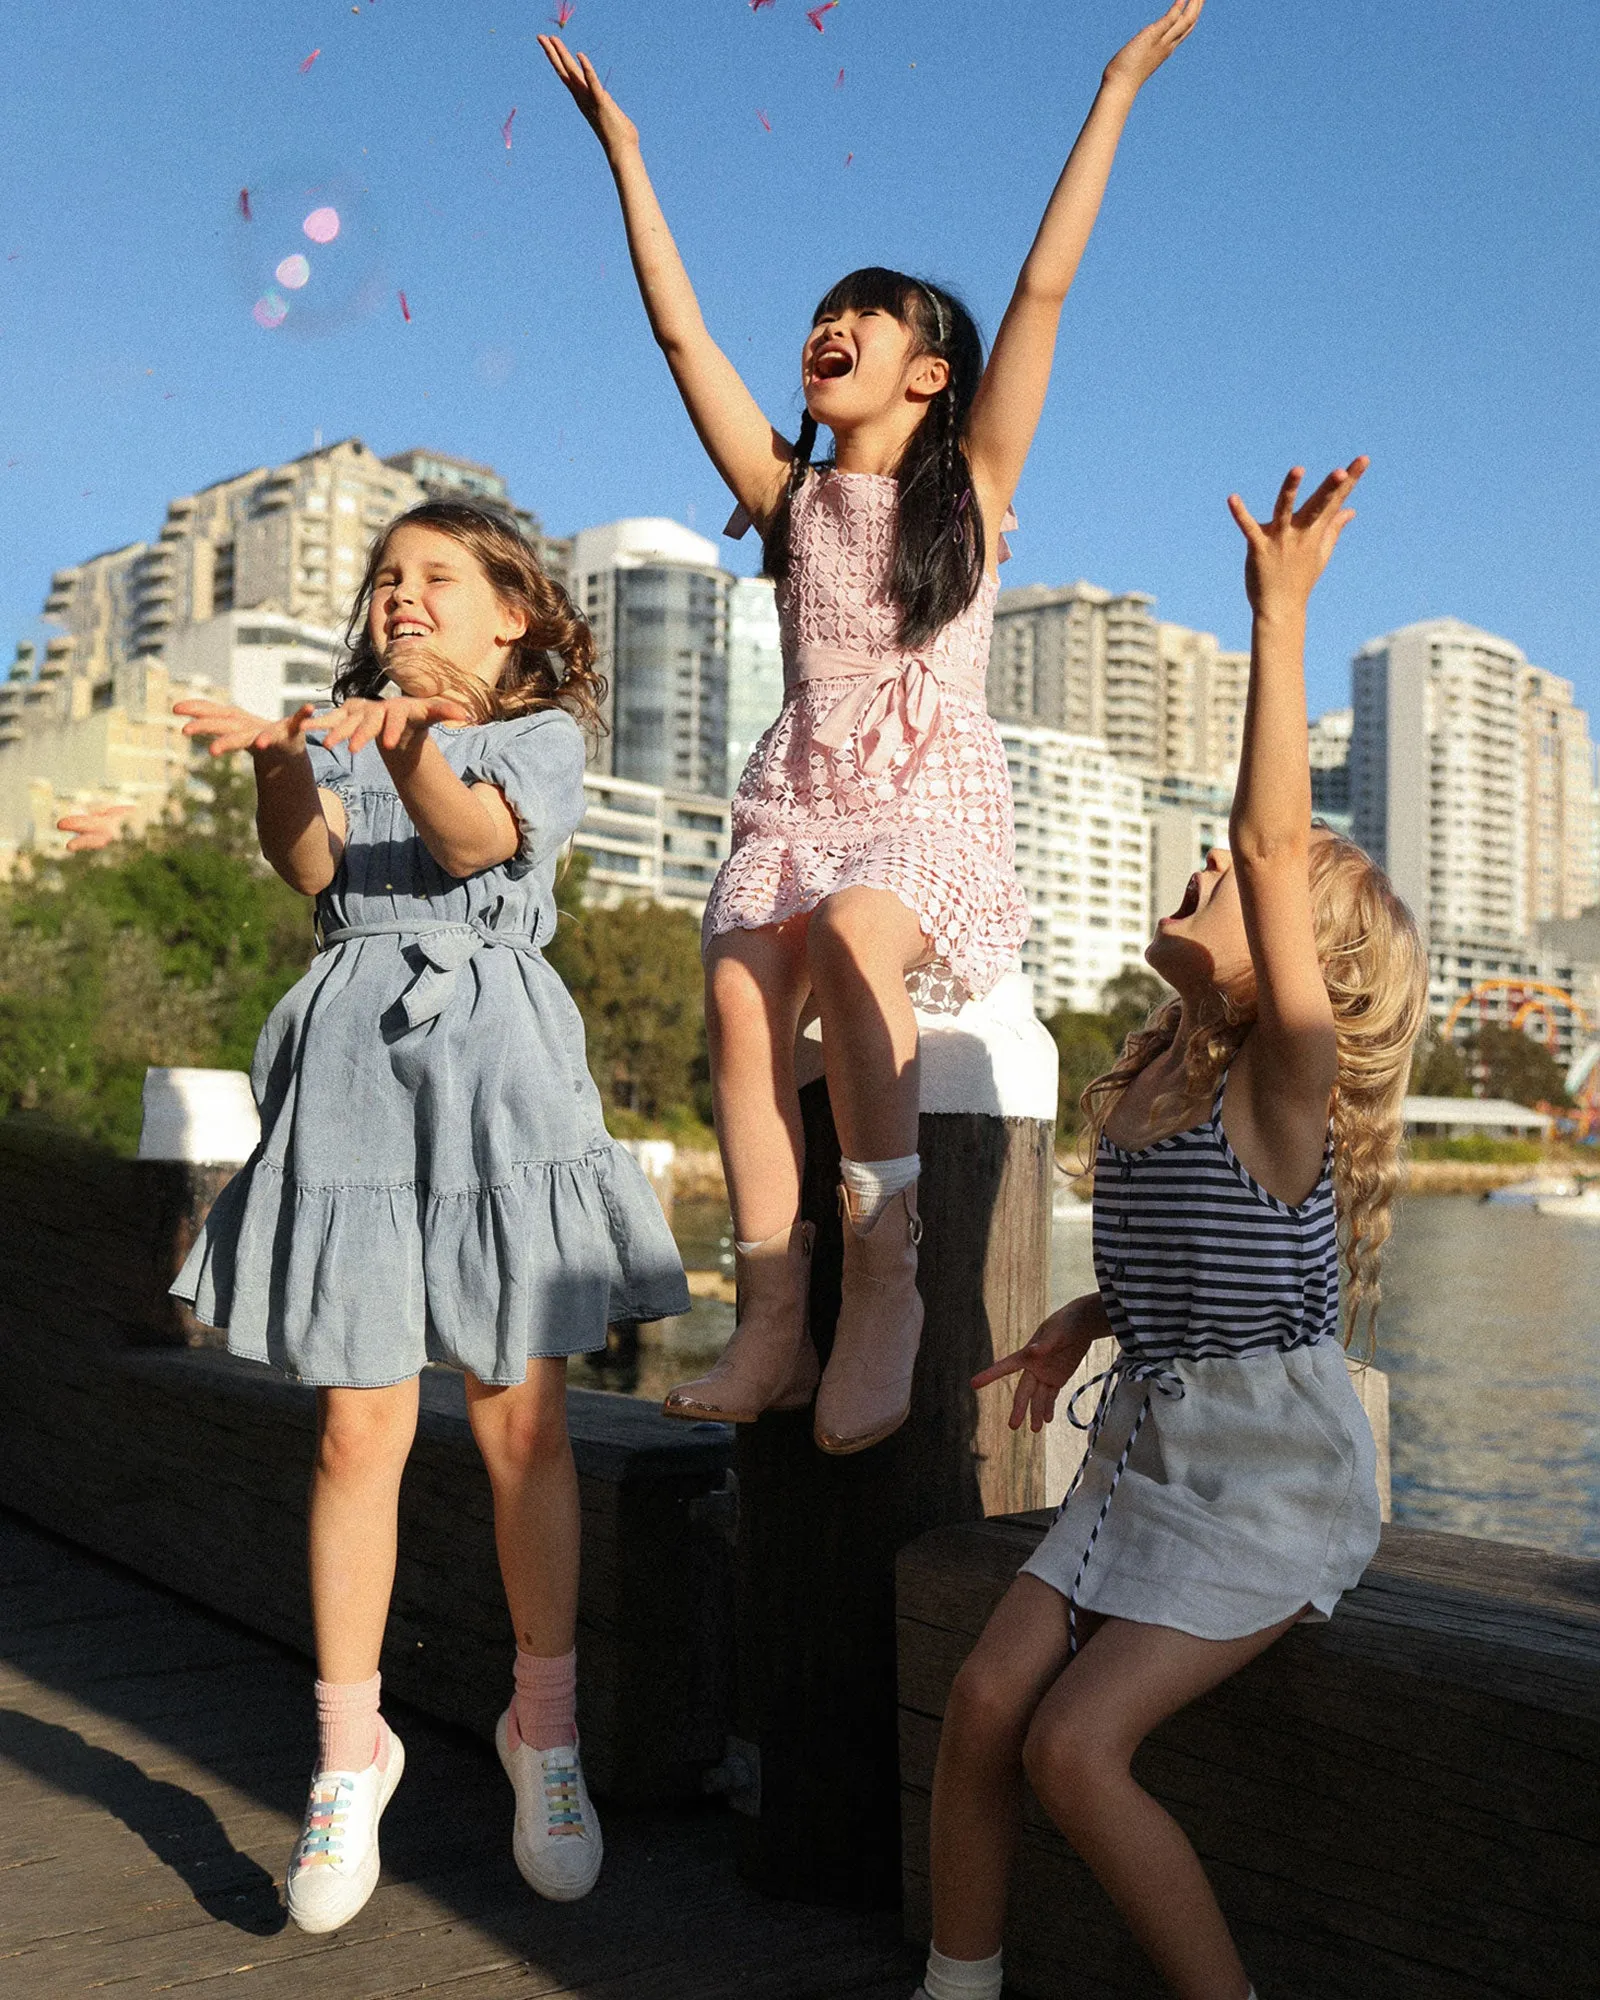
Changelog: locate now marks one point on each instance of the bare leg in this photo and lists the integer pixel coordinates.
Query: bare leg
(977, 1783)
(860, 946)
(1125, 1681)
(522, 1434)
(363, 1438)
(756, 984)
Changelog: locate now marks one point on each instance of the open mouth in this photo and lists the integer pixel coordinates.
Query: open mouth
(1191, 900)
(832, 365)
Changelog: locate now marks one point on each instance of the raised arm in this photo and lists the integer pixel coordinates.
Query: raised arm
(751, 456)
(1006, 413)
(1294, 1054)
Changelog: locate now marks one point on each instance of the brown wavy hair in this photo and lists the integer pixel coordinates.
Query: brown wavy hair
(551, 666)
(1375, 967)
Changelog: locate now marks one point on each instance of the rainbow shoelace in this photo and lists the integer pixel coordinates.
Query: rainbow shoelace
(322, 1842)
(563, 1808)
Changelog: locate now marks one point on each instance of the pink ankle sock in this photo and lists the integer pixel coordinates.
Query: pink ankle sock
(350, 1732)
(544, 1706)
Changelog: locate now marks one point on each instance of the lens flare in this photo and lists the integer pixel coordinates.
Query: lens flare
(322, 225)
(270, 310)
(293, 272)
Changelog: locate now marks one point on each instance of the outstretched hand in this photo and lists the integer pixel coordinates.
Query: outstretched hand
(612, 125)
(1149, 49)
(1046, 1365)
(1289, 552)
(400, 723)
(232, 729)
(100, 826)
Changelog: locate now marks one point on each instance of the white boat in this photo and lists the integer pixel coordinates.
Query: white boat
(1542, 1187)
(1584, 1207)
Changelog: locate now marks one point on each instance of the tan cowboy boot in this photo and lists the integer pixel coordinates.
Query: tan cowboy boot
(866, 1387)
(770, 1363)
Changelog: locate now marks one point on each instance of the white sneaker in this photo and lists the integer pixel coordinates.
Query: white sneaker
(556, 1844)
(334, 1868)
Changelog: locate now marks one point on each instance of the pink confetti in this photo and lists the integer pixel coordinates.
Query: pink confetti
(766, 122)
(405, 310)
(838, 81)
(505, 129)
(563, 13)
(310, 59)
(814, 14)
(244, 205)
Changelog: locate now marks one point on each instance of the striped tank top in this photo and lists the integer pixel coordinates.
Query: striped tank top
(1195, 1260)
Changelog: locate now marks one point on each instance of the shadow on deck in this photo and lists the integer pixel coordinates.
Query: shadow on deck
(153, 1761)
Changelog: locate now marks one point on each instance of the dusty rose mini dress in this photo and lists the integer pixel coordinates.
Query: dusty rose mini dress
(883, 769)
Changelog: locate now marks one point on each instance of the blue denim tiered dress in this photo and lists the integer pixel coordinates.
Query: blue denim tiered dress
(434, 1180)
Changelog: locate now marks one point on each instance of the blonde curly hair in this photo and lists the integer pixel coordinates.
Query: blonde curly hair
(1375, 967)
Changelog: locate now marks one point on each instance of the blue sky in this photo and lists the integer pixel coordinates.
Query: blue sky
(1353, 225)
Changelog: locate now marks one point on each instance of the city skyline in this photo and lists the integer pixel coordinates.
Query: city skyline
(1433, 315)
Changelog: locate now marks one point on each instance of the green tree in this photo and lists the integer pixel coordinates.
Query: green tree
(1438, 1069)
(634, 972)
(1129, 997)
(1513, 1065)
(1088, 1045)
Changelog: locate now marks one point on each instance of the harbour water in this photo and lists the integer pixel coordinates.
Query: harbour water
(1489, 1332)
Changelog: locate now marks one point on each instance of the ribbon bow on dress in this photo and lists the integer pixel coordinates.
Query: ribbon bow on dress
(445, 947)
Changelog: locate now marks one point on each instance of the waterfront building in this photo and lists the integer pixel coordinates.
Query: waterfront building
(1083, 858)
(1437, 777)
(1163, 697)
(1330, 767)
(657, 600)
(642, 841)
(755, 668)
(1559, 790)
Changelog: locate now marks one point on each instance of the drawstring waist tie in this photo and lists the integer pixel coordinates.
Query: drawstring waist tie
(1126, 1368)
(446, 948)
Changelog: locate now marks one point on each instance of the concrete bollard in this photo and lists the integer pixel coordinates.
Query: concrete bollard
(818, 1536)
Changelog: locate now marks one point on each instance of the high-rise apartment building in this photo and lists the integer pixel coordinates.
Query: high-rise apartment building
(1559, 792)
(1095, 663)
(755, 668)
(1083, 858)
(657, 600)
(1329, 737)
(1438, 787)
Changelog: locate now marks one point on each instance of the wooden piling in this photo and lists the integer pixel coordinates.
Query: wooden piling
(818, 1538)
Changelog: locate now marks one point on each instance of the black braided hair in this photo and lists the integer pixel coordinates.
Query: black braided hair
(939, 540)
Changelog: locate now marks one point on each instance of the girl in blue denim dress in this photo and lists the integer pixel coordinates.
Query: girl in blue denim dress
(434, 1180)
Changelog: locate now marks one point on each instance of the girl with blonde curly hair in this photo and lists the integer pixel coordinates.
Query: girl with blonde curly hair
(1248, 1135)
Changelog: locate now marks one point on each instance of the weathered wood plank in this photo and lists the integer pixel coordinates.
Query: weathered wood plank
(1405, 1802)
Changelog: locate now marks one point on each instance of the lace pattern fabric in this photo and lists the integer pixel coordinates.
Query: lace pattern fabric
(934, 823)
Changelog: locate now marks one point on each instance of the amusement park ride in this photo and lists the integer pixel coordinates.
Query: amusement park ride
(1530, 999)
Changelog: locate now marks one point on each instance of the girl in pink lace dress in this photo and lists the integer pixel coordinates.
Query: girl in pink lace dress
(872, 828)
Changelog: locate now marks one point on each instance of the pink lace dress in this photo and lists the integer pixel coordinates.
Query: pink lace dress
(883, 769)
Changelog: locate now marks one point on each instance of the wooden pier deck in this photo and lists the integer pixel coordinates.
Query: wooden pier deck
(153, 1762)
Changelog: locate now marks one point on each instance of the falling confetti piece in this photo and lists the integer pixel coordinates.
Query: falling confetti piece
(244, 205)
(405, 310)
(505, 129)
(814, 14)
(563, 13)
(270, 310)
(293, 272)
(322, 225)
(310, 59)
(766, 122)
(838, 81)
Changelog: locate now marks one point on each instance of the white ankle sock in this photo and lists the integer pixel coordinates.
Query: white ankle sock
(875, 1183)
(962, 1978)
